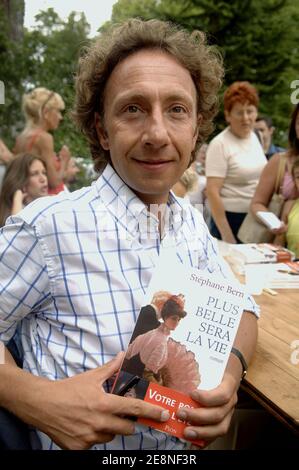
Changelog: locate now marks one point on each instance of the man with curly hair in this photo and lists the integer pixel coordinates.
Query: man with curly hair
(75, 267)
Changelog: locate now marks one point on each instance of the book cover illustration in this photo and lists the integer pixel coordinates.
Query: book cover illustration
(182, 339)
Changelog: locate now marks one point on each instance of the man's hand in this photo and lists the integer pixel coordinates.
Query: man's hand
(213, 418)
(77, 413)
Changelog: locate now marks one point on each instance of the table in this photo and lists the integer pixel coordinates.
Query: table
(272, 378)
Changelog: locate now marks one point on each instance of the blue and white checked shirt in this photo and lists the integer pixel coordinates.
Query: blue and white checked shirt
(73, 273)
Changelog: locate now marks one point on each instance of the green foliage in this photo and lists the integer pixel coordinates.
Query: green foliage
(47, 57)
(258, 39)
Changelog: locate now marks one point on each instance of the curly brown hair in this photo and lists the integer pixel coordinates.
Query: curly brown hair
(95, 66)
(240, 92)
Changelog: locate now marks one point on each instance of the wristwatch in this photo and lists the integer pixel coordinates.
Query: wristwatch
(240, 356)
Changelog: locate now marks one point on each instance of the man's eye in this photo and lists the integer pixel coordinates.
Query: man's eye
(132, 109)
(178, 109)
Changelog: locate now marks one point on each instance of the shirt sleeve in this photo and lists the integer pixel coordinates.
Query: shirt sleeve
(24, 282)
(214, 262)
(216, 161)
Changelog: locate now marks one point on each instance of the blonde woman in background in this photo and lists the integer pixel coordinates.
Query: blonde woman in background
(42, 109)
(186, 184)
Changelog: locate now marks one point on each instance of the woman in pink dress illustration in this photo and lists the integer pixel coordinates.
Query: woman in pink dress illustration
(152, 346)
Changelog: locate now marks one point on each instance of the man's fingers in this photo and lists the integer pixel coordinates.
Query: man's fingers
(204, 416)
(209, 432)
(115, 425)
(126, 406)
(108, 369)
(219, 396)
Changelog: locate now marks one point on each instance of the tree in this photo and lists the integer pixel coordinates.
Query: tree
(259, 41)
(14, 13)
(14, 63)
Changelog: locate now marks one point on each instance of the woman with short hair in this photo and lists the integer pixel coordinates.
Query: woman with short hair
(234, 162)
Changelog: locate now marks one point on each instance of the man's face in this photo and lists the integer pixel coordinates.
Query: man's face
(266, 134)
(150, 122)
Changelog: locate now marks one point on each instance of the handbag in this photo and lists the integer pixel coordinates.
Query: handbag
(254, 231)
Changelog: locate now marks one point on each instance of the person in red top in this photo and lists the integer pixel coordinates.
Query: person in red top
(42, 109)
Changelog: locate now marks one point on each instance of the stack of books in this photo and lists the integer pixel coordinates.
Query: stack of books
(252, 253)
(284, 275)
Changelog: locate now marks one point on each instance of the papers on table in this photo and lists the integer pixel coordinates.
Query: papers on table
(259, 267)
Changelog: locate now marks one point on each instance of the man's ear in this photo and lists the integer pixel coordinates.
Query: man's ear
(101, 131)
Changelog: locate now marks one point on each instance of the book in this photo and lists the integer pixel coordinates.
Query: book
(261, 253)
(182, 338)
(282, 275)
(269, 219)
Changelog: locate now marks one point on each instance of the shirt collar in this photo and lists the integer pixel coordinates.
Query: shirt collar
(130, 211)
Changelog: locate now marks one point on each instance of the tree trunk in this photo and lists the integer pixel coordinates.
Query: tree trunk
(14, 12)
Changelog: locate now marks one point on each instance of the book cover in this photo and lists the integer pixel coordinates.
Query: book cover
(182, 338)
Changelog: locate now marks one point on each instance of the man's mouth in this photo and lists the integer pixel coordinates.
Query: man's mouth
(153, 164)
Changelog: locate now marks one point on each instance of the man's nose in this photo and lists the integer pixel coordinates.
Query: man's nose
(156, 132)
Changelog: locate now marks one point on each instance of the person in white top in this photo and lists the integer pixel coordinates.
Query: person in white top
(235, 160)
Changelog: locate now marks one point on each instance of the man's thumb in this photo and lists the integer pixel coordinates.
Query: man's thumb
(113, 366)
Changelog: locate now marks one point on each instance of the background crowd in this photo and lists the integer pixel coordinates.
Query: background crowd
(232, 175)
